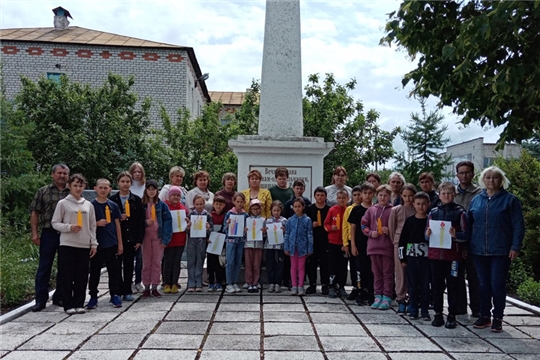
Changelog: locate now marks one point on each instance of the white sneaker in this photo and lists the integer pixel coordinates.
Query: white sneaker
(246, 286)
(301, 291)
(230, 289)
(80, 310)
(294, 290)
(277, 288)
(271, 288)
(139, 287)
(71, 311)
(237, 288)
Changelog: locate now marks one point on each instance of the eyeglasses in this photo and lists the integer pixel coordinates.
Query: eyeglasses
(464, 173)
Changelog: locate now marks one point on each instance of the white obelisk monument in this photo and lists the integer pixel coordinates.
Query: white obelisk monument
(280, 140)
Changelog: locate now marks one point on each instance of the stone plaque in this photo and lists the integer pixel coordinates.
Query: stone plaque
(295, 173)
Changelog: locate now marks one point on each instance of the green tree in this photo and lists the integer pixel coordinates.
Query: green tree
(533, 145)
(95, 131)
(332, 113)
(524, 173)
(480, 57)
(425, 140)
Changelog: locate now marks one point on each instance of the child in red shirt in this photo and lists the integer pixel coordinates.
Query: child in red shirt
(333, 224)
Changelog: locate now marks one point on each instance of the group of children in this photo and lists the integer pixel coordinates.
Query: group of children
(385, 245)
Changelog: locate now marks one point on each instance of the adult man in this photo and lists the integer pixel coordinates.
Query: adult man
(466, 190)
(42, 208)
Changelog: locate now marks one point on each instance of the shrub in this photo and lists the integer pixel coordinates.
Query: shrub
(519, 271)
(529, 291)
(18, 267)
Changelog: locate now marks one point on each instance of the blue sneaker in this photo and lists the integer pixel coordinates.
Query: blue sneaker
(115, 301)
(402, 307)
(92, 304)
(128, 297)
(211, 288)
(385, 303)
(218, 287)
(377, 302)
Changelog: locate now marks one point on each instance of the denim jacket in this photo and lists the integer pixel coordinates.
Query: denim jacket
(164, 220)
(496, 223)
(225, 228)
(299, 236)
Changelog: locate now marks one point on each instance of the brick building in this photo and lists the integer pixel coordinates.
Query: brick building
(166, 73)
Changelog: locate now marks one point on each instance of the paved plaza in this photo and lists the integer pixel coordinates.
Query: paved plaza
(257, 326)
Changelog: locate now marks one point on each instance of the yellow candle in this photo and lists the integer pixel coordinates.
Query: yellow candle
(275, 234)
(338, 221)
(379, 225)
(107, 214)
(128, 210)
(153, 212)
(319, 222)
(79, 218)
(179, 221)
(253, 229)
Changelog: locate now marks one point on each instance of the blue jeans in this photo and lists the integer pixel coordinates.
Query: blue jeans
(274, 265)
(492, 272)
(234, 261)
(50, 241)
(196, 252)
(418, 276)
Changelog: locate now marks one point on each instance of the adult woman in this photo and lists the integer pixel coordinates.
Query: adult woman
(427, 183)
(176, 175)
(396, 182)
(137, 172)
(374, 179)
(201, 180)
(497, 225)
(229, 183)
(256, 192)
(339, 178)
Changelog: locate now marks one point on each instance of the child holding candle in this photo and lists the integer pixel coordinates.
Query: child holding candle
(380, 248)
(346, 236)
(234, 243)
(172, 255)
(196, 246)
(109, 238)
(157, 235)
(359, 246)
(132, 229)
(395, 224)
(75, 219)
(274, 252)
(317, 212)
(298, 245)
(253, 249)
(333, 224)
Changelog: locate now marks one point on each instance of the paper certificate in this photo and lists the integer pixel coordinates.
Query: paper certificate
(440, 234)
(236, 225)
(179, 220)
(198, 226)
(275, 234)
(215, 246)
(217, 227)
(254, 229)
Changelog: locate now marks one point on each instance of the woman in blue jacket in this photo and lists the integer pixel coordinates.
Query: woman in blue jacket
(497, 225)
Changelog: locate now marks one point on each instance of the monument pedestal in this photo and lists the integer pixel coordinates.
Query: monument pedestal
(302, 156)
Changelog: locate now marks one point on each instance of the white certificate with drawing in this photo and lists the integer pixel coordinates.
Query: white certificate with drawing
(440, 234)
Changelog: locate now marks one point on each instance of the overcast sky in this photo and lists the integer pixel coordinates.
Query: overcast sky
(338, 36)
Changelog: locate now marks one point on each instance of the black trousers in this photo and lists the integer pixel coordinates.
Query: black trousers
(109, 257)
(73, 275)
(474, 288)
(364, 272)
(442, 279)
(216, 272)
(126, 260)
(337, 266)
(319, 258)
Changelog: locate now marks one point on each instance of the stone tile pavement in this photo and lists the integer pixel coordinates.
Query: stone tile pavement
(266, 326)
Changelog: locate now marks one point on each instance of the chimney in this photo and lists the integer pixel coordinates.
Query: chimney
(61, 21)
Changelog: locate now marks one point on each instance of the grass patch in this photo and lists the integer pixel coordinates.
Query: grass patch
(20, 258)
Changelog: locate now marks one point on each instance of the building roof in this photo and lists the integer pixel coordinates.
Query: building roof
(78, 35)
(228, 97)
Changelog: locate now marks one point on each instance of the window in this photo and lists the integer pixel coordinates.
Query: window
(54, 76)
